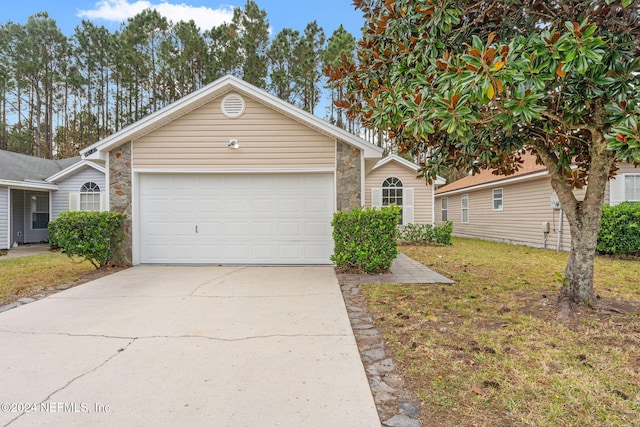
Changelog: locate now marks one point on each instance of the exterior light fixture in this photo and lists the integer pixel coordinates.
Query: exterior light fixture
(233, 144)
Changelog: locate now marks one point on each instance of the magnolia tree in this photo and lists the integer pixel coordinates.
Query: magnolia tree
(476, 84)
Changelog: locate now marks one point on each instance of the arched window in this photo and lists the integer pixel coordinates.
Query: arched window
(90, 197)
(392, 193)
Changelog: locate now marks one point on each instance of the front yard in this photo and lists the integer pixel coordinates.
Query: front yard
(30, 275)
(492, 351)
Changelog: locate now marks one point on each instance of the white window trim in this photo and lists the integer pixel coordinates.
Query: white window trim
(34, 210)
(443, 209)
(90, 185)
(402, 189)
(494, 199)
(463, 208)
(626, 198)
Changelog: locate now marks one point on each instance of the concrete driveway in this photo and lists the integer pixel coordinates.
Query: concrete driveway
(166, 346)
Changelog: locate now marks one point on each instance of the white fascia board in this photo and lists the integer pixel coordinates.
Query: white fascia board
(206, 94)
(231, 171)
(25, 185)
(404, 162)
(300, 115)
(440, 180)
(493, 184)
(73, 168)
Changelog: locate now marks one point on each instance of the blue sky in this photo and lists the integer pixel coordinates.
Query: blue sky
(68, 14)
(110, 13)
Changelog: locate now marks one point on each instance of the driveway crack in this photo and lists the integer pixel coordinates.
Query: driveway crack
(138, 338)
(77, 377)
(221, 278)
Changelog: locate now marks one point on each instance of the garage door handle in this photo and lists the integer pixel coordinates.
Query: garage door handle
(196, 229)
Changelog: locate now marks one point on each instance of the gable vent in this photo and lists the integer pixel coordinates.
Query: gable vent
(233, 106)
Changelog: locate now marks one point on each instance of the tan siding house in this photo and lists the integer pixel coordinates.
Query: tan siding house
(517, 209)
(230, 174)
(268, 140)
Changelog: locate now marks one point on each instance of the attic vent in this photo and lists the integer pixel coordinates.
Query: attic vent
(233, 106)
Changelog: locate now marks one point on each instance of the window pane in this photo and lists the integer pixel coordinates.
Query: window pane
(632, 187)
(90, 202)
(42, 204)
(40, 220)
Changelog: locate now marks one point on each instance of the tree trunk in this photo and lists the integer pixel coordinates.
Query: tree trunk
(583, 217)
(577, 285)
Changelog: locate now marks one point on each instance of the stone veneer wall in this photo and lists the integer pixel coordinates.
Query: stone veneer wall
(348, 176)
(120, 181)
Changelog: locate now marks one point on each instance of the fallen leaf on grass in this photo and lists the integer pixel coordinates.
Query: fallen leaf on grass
(477, 390)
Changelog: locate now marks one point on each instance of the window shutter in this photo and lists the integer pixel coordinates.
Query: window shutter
(103, 202)
(74, 201)
(616, 190)
(407, 206)
(376, 197)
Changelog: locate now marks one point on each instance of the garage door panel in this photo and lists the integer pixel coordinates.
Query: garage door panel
(266, 219)
(262, 229)
(317, 229)
(289, 253)
(265, 207)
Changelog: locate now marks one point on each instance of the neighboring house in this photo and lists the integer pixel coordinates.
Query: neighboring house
(394, 180)
(519, 208)
(34, 191)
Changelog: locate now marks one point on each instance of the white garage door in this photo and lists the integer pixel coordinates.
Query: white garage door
(236, 219)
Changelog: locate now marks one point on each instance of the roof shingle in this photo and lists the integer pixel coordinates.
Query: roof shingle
(20, 167)
(529, 166)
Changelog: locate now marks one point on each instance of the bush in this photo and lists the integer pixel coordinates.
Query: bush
(95, 236)
(426, 233)
(620, 229)
(365, 239)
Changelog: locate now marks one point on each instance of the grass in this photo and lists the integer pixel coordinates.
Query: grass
(492, 351)
(30, 275)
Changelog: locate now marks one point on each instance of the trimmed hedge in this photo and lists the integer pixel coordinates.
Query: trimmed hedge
(365, 239)
(620, 229)
(426, 233)
(95, 236)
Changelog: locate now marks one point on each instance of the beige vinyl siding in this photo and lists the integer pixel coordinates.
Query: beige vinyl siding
(422, 192)
(4, 218)
(526, 205)
(268, 140)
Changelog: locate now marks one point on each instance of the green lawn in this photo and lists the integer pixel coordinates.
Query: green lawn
(20, 277)
(491, 350)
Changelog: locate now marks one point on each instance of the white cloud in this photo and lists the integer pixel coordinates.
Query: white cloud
(120, 10)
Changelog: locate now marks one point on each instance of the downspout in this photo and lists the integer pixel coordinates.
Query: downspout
(9, 215)
(433, 204)
(559, 231)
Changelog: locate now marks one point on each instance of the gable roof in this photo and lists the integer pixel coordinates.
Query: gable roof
(529, 169)
(20, 167)
(407, 164)
(79, 164)
(210, 92)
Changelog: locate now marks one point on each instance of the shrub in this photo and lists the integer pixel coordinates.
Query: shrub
(620, 229)
(95, 236)
(426, 233)
(365, 239)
